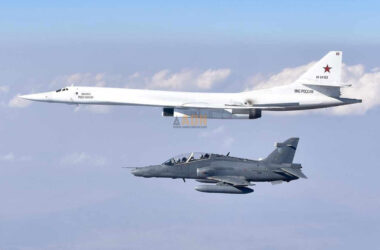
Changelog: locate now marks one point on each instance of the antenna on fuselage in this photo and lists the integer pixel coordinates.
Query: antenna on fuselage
(191, 156)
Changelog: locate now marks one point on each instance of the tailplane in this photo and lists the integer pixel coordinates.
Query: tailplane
(284, 152)
(326, 72)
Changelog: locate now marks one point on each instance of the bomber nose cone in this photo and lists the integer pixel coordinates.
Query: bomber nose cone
(35, 97)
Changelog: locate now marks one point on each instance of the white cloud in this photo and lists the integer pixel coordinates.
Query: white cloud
(81, 158)
(7, 157)
(11, 157)
(187, 79)
(365, 86)
(164, 79)
(208, 78)
(4, 89)
(286, 76)
(134, 75)
(17, 102)
(87, 79)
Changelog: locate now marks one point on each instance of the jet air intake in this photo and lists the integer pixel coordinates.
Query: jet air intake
(204, 172)
(204, 114)
(223, 189)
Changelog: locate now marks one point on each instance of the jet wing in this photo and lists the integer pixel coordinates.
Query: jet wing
(295, 172)
(232, 180)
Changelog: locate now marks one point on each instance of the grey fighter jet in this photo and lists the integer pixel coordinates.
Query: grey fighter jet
(228, 174)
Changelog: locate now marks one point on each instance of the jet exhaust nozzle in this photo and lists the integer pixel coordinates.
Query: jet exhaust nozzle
(223, 189)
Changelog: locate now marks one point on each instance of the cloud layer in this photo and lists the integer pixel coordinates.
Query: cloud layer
(286, 76)
(365, 86)
(163, 79)
(187, 79)
(4, 89)
(86, 79)
(12, 157)
(80, 158)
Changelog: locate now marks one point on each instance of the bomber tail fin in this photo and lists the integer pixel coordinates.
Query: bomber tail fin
(326, 72)
(284, 152)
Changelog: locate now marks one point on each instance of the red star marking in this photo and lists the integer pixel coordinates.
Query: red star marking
(327, 68)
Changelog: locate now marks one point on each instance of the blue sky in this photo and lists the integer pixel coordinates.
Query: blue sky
(210, 21)
(62, 185)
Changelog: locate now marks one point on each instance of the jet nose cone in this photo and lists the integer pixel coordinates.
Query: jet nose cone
(35, 97)
(136, 172)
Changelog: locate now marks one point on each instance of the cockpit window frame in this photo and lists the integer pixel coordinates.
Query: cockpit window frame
(61, 90)
(184, 158)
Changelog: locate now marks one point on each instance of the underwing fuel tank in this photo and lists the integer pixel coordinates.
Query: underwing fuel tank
(224, 189)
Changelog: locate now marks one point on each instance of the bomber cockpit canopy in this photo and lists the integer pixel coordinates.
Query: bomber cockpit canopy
(59, 90)
(188, 157)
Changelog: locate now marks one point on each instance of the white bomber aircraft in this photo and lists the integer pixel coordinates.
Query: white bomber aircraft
(319, 87)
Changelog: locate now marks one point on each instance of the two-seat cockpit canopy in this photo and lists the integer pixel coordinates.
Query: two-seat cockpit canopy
(185, 158)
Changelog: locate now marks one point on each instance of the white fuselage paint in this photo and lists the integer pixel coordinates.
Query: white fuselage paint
(281, 98)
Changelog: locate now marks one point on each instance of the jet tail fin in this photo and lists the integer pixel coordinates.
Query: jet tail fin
(284, 152)
(326, 72)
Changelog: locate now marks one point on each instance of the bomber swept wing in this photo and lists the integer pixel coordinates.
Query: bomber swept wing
(205, 105)
(267, 106)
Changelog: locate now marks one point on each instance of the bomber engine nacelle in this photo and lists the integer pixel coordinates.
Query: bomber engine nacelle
(193, 113)
(254, 113)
